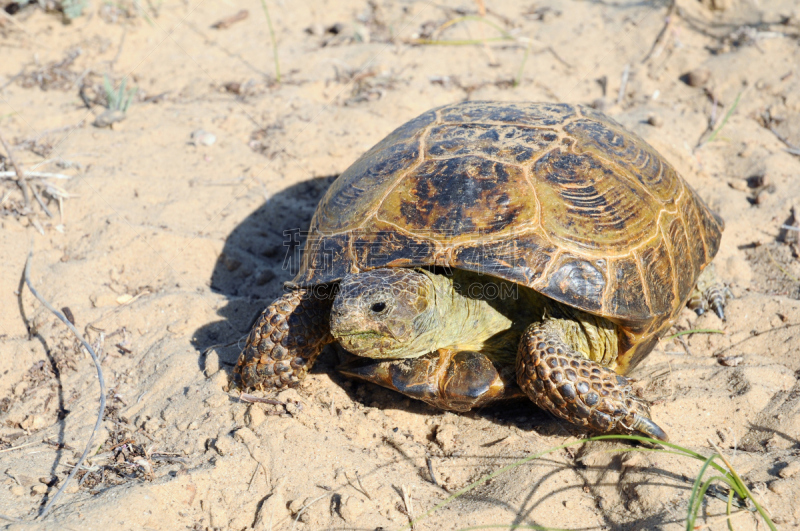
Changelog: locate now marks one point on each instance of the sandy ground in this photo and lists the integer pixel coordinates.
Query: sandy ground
(166, 246)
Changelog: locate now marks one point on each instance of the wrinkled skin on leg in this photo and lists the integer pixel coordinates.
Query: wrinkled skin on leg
(286, 340)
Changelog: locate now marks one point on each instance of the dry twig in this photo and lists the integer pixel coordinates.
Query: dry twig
(790, 148)
(660, 43)
(100, 379)
(20, 174)
(244, 397)
(231, 20)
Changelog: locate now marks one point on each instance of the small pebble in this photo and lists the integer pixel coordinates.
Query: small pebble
(655, 120)
(739, 184)
(231, 264)
(211, 366)
(295, 506)
(245, 436)
(760, 180)
(599, 104)
(790, 470)
(17, 490)
(108, 118)
(780, 486)
(201, 137)
(731, 361)
(274, 507)
(336, 29)
(315, 29)
(698, 77)
(39, 489)
(233, 87)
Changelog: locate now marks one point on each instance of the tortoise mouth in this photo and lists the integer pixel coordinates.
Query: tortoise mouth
(370, 344)
(369, 334)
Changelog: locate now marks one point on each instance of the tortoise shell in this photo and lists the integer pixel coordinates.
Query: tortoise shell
(555, 197)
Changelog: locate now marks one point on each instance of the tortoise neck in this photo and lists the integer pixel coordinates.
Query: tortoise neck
(466, 309)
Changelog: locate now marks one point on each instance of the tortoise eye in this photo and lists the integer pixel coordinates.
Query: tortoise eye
(378, 307)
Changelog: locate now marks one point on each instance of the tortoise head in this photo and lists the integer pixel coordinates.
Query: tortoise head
(385, 313)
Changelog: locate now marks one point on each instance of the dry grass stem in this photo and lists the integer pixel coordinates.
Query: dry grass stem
(100, 378)
(21, 182)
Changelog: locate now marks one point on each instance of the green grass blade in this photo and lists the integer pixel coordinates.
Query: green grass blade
(518, 79)
(274, 41)
(109, 88)
(695, 499)
(695, 331)
(728, 509)
(725, 119)
(474, 18)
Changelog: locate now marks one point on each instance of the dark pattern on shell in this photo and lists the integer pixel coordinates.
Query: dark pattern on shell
(456, 196)
(509, 143)
(367, 179)
(488, 111)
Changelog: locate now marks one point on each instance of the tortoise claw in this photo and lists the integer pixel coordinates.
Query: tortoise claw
(710, 293)
(648, 428)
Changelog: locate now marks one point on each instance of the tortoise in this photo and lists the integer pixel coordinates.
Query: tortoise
(488, 250)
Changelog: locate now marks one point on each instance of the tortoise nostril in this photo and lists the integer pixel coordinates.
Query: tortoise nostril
(378, 307)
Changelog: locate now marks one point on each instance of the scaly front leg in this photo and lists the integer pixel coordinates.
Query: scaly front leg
(286, 340)
(565, 383)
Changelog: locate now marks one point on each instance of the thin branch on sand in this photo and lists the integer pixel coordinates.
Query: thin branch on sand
(100, 378)
(20, 174)
(34, 174)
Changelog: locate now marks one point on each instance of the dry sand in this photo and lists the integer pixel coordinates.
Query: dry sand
(167, 246)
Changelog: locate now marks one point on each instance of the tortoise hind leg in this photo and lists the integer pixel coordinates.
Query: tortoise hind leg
(557, 378)
(709, 293)
(286, 340)
(447, 379)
